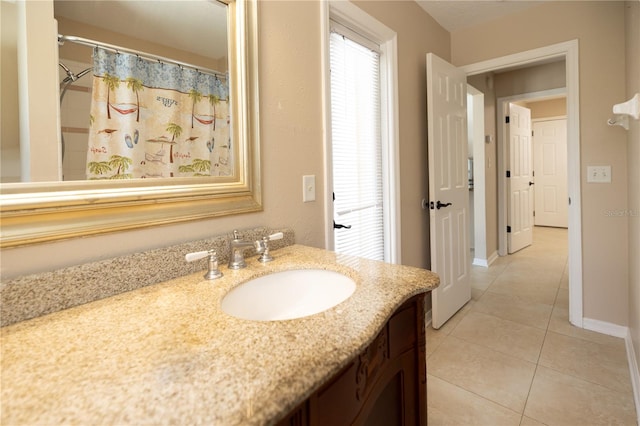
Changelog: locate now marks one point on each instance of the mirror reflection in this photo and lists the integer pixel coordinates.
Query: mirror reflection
(144, 90)
(121, 194)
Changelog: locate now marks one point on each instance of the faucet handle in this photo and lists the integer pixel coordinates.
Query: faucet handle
(212, 271)
(191, 257)
(263, 246)
(276, 236)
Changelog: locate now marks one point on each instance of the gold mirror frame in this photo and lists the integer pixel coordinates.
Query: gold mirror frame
(41, 212)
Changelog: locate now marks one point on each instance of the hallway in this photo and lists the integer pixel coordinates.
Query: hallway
(510, 356)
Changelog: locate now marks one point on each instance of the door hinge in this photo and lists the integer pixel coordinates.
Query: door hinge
(532, 133)
(506, 119)
(508, 173)
(508, 229)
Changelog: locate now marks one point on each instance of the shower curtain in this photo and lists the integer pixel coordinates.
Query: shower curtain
(151, 120)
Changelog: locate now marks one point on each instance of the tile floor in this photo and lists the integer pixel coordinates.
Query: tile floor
(510, 356)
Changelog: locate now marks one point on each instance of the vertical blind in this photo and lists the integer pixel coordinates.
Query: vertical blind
(356, 145)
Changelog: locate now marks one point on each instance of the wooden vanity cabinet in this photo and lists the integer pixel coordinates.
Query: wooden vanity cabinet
(386, 384)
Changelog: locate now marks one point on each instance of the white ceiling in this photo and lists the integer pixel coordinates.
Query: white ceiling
(455, 15)
(189, 25)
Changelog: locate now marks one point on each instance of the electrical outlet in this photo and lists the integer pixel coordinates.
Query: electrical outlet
(599, 174)
(308, 188)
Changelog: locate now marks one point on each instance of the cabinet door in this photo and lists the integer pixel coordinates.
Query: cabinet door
(394, 398)
(384, 385)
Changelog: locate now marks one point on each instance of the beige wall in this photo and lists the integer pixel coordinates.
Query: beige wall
(530, 79)
(548, 108)
(632, 33)
(599, 27)
(292, 141)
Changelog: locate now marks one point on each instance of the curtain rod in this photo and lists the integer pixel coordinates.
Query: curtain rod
(118, 49)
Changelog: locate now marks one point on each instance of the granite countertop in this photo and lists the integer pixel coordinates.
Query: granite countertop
(167, 354)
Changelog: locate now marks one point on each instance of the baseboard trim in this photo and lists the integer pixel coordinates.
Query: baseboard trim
(623, 332)
(494, 256)
(481, 262)
(633, 372)
(607, 328)
(486, 262)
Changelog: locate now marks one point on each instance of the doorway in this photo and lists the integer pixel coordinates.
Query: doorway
(502, 104)
(569, 52)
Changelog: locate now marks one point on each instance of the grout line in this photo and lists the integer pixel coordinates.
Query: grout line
(478, 395)
(617, 391)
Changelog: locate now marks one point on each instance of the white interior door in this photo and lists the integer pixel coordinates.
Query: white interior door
(550, 167)
(519, 179)
(448, 187)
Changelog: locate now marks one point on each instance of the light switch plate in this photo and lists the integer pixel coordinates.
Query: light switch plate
(308, 188)
(599, 174)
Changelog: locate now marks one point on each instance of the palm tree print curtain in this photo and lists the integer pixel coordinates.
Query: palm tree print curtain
(153, 120)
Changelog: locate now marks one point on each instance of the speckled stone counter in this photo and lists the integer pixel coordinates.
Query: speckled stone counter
(34, 295)
(167, 354)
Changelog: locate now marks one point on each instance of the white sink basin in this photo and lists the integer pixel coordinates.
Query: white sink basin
(288, 295)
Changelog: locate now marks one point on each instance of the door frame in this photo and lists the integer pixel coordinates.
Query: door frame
(568, 50)
(351, 15)
(480, 255)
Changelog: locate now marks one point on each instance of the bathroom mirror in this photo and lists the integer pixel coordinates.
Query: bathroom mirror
(33, 212)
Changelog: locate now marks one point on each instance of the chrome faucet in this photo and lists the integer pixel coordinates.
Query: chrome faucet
(238, 245)
(236, 251)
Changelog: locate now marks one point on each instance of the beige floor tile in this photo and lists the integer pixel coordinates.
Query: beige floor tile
(476, 376)
(502, 379)
(481, 277)
(562, 298)
(434, 340)
(533, 273)
(540, 257)
(594, 362)
(450, 405)
(560, 324)
(564, 281)
(501, 262)
(530, 290)
(514, 308)
(506, 337)
(526, 421)
(480, 280)
(476, 294)
(436, 337)
(560, 399)
(451, 324)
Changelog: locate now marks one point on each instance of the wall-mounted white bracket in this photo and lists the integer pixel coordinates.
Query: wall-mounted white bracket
(631, 107)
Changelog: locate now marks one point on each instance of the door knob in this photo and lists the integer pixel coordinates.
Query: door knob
(531, 183)
(440, 205)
